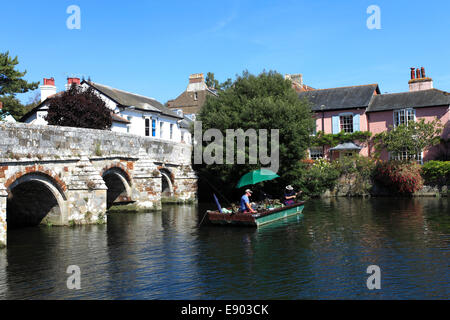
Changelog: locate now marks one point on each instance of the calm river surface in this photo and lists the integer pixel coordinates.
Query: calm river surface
(323, 254)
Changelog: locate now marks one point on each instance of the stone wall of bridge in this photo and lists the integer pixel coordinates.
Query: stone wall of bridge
(64, 176)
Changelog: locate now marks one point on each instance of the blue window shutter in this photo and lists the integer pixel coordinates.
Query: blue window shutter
(336, 126)
(356, 123)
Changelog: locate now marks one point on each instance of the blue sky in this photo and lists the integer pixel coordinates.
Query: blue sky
(151, 47)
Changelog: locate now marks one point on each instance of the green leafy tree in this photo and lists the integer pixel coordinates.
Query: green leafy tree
(266, 101)
(212, 82)
(413, 138)
(12, 83)
(79, 108)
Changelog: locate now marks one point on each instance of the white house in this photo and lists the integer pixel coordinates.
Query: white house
(131, 113)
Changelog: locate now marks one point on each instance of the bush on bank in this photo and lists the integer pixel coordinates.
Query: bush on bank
(315, 177)
(321, 175)
(436, 172)
(356, 176)
(399, 176)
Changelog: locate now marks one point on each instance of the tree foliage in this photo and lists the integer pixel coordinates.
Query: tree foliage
(213, 83)
(413, 138)
(79, 108)
(12, 83)
(266, 101)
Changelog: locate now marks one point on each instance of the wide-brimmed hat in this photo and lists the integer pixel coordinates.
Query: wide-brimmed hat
(248, 191)
(289, 187)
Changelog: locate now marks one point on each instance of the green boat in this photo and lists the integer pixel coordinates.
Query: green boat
(255, 220)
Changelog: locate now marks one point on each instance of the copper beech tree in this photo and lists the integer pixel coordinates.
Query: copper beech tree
(80, 108)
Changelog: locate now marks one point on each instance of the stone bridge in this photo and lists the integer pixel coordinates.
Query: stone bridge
(65, 176)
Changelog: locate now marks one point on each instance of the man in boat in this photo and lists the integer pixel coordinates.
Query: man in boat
(290, 195)
(245, 206)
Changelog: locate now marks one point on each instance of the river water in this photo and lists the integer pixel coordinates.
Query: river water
(323, 254)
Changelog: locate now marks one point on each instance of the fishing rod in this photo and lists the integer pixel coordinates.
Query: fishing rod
(229, 202)
(214, 188)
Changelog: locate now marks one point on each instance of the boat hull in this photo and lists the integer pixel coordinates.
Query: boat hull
(255, 220)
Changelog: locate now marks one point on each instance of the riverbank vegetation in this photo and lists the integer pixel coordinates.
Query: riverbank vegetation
(266, 101)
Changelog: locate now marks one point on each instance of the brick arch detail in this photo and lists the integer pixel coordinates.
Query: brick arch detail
(37, 169)
(118, 165)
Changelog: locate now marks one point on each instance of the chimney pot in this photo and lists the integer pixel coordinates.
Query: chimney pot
(73, 80)
(413, 73)
(418, 73)
(422, 70)
(49, 82)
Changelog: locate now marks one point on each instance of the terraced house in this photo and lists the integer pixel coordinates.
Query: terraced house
(364, 108)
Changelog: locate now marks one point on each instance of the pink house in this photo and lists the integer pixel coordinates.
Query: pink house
(364, 108)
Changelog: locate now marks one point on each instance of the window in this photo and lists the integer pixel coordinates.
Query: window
(346, 154)
(171, 131)
(346, 123)
(195, 96)
(315, 153)
(314, 130)
(161, 129)
(147, 127)
(153, 128)
(128, 125)
(404, 116)
(404, 155)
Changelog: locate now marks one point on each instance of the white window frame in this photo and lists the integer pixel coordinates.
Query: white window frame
(346, 114)
(404, 156)
(396, 114)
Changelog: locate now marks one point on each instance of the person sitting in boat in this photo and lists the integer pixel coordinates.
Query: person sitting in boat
(289, 195)
(245, 202)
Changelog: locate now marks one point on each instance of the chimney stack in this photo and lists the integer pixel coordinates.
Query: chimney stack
(71, 81)
(196, 82)
(420, 81)
(295, 78)
(48, 89)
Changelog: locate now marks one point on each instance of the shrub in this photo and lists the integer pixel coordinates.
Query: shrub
(79, 108)
(436, 172)
(399, 177)
(359, 170)
(363, 166)
(316, 178)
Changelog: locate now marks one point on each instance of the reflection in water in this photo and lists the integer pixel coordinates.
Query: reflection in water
(322, 254)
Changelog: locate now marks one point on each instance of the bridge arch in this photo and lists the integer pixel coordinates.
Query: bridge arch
(33, 197)
(118, 182)
(167, 182)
